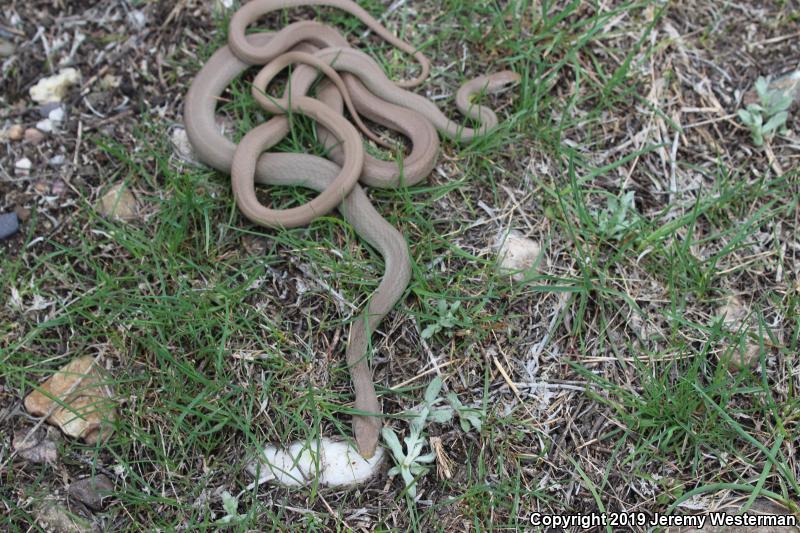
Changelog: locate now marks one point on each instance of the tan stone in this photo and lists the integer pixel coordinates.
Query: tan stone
(734, 315)
(15, 132)
(517, 254)
(33, 136)
(85, 408)
(733, 312)
(118, 202)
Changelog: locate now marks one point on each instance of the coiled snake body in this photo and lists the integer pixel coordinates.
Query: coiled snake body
(354, 80)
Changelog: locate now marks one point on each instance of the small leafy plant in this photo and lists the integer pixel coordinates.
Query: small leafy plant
(231, 505)
(468, 417)
(614, 221)
(446, 319)
(767, 116)
(410, 463)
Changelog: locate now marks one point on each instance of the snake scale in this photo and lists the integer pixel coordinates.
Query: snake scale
(355, 81)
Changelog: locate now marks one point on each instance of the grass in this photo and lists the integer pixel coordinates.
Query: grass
(222, 336)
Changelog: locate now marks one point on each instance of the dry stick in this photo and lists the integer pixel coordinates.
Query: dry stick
(391, 9)
(673, 181)
(334, 514)
(773, 161)
(421, 374)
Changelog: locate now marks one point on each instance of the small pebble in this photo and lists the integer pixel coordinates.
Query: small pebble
(33, 136)
(15, 132)
(23, 213)
(56, 115)
(56, 160)
(137, 19)
(23, 165)
(42, 187)
(9, 225)
(45, 125)
(109, 81)
(6, 48)
(58, 188)
(92, 491)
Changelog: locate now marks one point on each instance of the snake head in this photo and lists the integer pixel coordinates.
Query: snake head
(502, 80)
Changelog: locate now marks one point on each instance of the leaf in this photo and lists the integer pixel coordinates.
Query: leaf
(418, 420)
(394, 445)
(778, 101)
(417, 470)
(475, 420)
(408, 479)
(230, 503)
(413, 447)
(432, 392)
(430, 331)
(441, 415)
(745, 116)
(427, 458)
(775, 122)
(761, 87)
(454, 401)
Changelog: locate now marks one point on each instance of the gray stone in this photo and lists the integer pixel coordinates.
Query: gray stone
(6, 48)
(9, 225)
(55, 517)
(93, 492)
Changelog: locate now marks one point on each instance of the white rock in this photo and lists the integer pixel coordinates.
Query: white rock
(183, 148)
(56, 115)
(345, 466)
(333, 463)
(56, 160)
(45, 125)
(517, 254)
(290, 467)
(137, 19)
(23, 164)
(53, 88)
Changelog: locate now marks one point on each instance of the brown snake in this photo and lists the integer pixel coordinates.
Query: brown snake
(354, 80)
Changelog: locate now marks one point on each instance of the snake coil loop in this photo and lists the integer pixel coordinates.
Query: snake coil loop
(357, 82)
